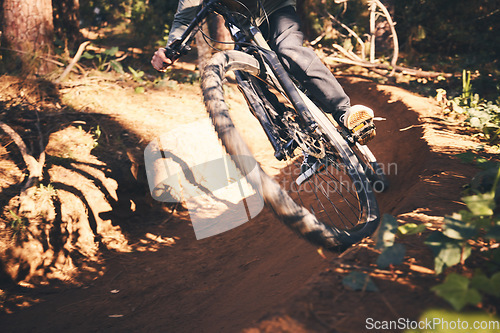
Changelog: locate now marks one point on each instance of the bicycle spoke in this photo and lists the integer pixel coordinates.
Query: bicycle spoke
(333, 211)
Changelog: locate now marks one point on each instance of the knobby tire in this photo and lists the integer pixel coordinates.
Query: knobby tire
(286, 209)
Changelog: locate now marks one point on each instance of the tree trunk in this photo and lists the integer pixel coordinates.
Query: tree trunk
(28, 27)
(66, 22)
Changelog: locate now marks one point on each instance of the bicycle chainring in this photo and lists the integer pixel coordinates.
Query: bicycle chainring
(309, 143)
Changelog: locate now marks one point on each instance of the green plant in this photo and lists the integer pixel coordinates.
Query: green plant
(480, 115)
(45, 195)
(466, 88)
(105, 60)
(96, 134)
(18, 224)
(136, 75)
(392, 253)
(469, 234)
(46, 192)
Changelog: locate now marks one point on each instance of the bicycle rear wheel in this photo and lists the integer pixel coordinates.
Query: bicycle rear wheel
(335, 208)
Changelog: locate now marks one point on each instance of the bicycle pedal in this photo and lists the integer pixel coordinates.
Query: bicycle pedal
(364, 132)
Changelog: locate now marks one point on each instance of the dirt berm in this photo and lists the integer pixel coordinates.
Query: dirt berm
(159, 278)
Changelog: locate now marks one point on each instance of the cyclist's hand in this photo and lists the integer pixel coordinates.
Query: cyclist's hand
(160, 61)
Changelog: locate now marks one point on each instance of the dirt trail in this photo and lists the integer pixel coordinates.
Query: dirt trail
(229, 282)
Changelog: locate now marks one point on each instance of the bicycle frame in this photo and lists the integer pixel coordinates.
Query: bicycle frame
(250, 40)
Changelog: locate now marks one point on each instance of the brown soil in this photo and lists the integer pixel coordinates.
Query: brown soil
(130, 264)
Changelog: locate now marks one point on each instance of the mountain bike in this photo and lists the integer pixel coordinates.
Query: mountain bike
(335, 206)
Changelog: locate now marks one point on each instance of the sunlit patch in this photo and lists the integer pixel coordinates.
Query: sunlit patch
(216, 193)
(152, 243)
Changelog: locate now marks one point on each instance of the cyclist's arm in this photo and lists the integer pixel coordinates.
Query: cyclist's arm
(186, 11)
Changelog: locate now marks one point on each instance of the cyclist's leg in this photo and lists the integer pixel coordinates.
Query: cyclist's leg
(287, 39)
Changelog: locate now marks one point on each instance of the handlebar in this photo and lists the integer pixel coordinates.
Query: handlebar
(176, 49)
(181, 46)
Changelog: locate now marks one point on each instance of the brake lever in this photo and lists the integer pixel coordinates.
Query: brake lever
(177, 49)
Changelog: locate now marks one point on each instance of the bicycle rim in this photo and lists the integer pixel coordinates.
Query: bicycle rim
(356, 201)
(374, 172)
(353, 181)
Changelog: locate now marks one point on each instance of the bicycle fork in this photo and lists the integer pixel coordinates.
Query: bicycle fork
(255, 102)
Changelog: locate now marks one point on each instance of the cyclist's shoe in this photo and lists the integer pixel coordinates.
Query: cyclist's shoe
(310, 166)
(359, 121)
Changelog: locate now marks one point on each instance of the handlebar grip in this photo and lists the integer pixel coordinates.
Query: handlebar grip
(176, 49)
(171, 54)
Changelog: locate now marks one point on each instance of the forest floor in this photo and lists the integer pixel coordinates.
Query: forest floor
(129, 264)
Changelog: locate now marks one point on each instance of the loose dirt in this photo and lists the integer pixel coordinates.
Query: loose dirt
(148, 273)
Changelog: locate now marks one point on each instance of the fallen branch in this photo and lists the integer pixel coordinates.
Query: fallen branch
(373, 18)
(374, 66)
(34, 167)
(73, 62)
(385, 12)
(352, 33)
(55, 62)
(317, 39)
(349, 55)
(27, 204)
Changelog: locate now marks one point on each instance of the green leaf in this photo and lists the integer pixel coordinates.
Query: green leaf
(359, 281)
(447, 252)
(495, 284)
(493, 233)
(139, 90)
(443, 319)
(481, 204)
(386, 232)
(489, 286)
(481, 282)
(87, 55)
(117, 66)
(112, 51)
(467, 157)
(137, 75)
(392, 255)
(451, 255)
(457, 229)
(411, 229)
(133, 71)
(456, 290)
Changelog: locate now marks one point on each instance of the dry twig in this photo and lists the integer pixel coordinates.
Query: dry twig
(374, 66)
(355, 35)
(55, 62)
(73, 62)
(35, 168)
(373, 7)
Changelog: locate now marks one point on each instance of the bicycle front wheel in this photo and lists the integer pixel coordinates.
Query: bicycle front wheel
(335, 208)
(374, 172)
